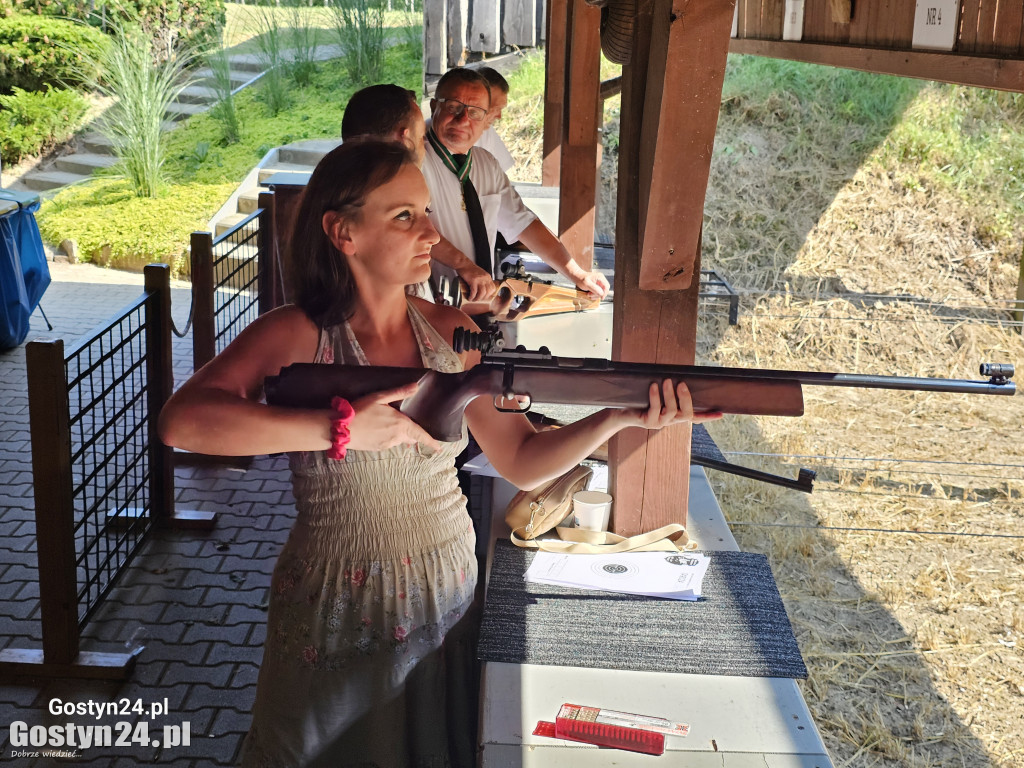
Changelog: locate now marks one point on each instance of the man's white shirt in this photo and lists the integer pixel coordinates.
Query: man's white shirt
(503, 209)
(492, 142)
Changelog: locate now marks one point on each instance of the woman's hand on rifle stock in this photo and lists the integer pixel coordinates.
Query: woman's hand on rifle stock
(668, 405)
(377, 426)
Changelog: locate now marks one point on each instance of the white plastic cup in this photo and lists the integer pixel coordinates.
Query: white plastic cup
(569, 521)
(591, 509)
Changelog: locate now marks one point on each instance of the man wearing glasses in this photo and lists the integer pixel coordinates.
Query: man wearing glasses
(473, 200)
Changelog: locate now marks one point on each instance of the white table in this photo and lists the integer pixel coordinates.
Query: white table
(735, 722)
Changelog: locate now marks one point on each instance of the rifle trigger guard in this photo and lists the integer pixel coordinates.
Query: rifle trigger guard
(524, 403)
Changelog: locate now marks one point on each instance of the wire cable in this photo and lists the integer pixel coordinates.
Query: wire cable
(971, 534)
(869, 458)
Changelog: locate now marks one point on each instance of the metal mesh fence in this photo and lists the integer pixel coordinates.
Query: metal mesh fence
(110, 466)
(235, 280)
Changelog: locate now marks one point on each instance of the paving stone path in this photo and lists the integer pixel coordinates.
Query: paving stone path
(195, 601)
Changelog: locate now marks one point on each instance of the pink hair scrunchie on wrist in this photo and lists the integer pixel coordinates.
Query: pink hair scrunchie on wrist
(340, 435)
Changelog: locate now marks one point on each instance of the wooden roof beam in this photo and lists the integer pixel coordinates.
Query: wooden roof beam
(996, 72)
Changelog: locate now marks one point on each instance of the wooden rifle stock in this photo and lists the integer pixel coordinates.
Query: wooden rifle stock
(519, 295)
(440, 402)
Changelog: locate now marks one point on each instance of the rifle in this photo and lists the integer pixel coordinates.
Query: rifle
(520, 295)
(521, 377)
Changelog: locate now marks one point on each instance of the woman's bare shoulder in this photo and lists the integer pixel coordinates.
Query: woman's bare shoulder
(286, 319)
(277, 338)
(444, 318)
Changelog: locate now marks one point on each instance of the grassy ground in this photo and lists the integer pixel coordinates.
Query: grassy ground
(245, 23)
(832, 192)
(828, 188)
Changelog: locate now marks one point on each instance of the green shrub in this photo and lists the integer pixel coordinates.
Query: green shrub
(36, 51)
(173, 25)
(105, 214)
(32, 122)
(69, 9)
(176, 25)
(6, 8)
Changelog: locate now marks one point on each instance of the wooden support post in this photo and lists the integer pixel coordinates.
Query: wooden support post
(458, 28)
(519, 23)
(204, 341)
(435, 37)
(581, 122)
(287, 201)
(649, 471)
(54, 498)
(271, 285)
(485, 31)
(554, 90)
(159, 387)
(688, 51)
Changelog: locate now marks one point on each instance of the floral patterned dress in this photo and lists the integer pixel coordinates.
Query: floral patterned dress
(369, 652)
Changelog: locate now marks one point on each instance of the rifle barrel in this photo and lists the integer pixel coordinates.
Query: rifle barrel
(997, 385)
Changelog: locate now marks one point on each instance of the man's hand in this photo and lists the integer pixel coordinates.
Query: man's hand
(594, 283)
(496, 307)
(478, 284)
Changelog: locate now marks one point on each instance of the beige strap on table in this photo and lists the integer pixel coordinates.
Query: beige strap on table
(578, 541)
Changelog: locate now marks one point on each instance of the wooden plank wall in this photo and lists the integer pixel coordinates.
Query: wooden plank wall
(454, 28)
(986, 26)
(519, 24)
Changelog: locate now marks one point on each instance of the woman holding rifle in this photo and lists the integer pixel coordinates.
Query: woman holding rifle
(368, 657)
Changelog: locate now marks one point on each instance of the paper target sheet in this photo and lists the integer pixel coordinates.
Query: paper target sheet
(674, 575)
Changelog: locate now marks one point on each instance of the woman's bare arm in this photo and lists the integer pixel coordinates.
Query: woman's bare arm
(526, 457)
(218, 411)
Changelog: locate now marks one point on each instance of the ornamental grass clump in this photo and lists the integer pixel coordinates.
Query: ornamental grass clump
(304, 47)
(141, 92)
(224, 109)
(270, 42)
(359, 26)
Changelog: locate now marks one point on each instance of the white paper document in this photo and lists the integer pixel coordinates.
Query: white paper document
(675, 575)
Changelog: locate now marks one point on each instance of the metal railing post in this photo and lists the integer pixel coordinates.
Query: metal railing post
(204, 342)
(54, 499)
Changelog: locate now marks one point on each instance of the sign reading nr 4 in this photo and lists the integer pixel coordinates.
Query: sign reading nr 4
(935, 23)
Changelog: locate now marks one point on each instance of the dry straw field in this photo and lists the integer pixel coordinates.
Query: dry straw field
(903, 573)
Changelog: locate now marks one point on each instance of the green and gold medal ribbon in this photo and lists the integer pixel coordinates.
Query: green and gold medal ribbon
(446, 157)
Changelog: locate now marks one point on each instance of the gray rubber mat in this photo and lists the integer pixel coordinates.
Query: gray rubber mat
(738, 627)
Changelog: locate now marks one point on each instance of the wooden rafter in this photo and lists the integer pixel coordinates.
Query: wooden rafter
(980, 71)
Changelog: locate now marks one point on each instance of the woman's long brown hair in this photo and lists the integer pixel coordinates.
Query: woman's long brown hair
(320, 276)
